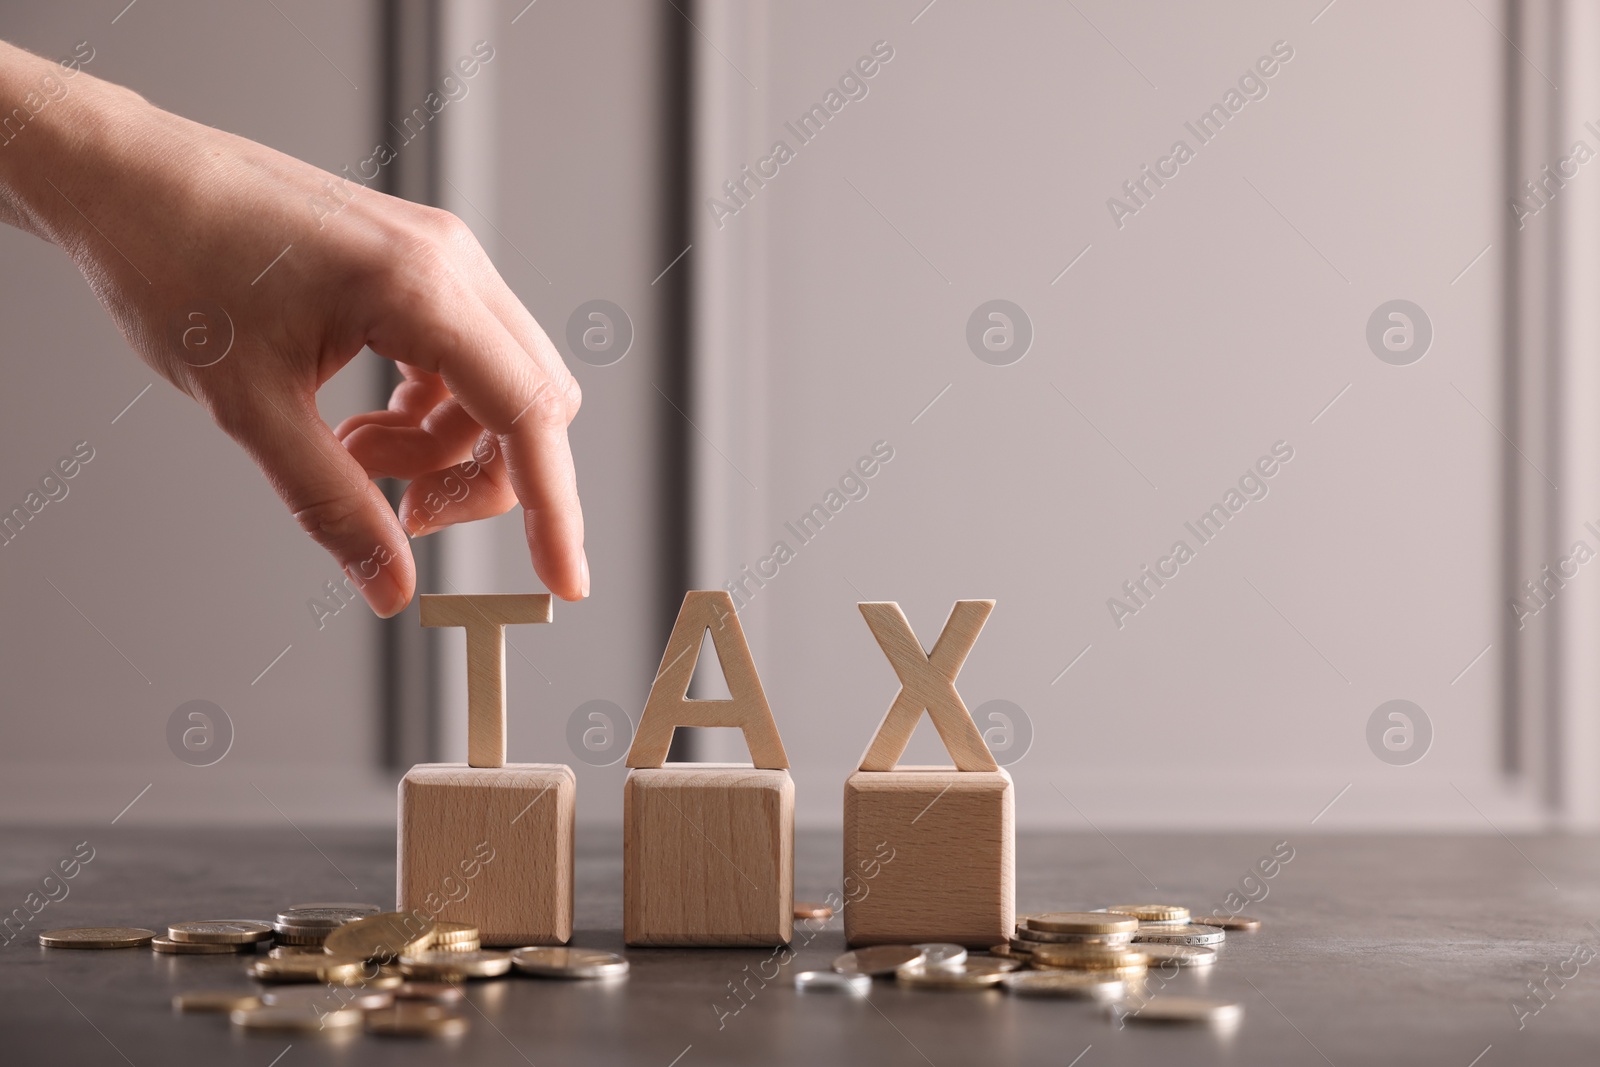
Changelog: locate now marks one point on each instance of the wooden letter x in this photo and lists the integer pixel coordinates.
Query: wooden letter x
(667, 709)
(485, 619)
(927, 680)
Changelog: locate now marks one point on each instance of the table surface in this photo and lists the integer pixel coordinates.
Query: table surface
(1373, 949)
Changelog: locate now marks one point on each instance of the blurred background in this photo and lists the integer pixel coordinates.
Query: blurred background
(1306, 287)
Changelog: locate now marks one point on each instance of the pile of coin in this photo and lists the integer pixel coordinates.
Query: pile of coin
(340, 968)
(1102, 955)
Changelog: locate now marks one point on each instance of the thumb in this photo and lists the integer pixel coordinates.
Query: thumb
(329, 495)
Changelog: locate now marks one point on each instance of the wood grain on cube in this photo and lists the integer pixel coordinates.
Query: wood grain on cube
(950, 875)
(524, 814)
(708, 855)
(485, 619)
(667, 708)
(927, 680)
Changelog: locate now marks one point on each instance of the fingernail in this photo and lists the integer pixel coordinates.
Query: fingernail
(381, 592)
(585, 574)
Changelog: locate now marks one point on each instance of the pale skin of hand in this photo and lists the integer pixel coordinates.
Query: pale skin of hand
(164, 215)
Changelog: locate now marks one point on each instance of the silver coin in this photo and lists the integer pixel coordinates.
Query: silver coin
(305, 918)
(1186, 934)
(942, 954)
(1182, 955)
(833, 982)
(362, 908)
(1086, 986)
(558, 962)
(1114, 940)
(877, 959)
(1170, 1009)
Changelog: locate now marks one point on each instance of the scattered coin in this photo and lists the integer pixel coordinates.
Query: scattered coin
(309, 968)
(383, 937)
(1180, 934)
(415, 1020)
(278, 952)
(214, 1000)
(97, 937)
(455, 966)
(1153, 913)
(1229, 922)
(169, 947)
(942, 954)
(1090, 958)
(1064, 984)
(833, 982)
(356, 910)
(1182, 955)
(975, 973)
(805, 909)
(453, 933)
(569, 962)
(877, 959)
(326, 998)
(301, 938)
(1173, 1009)
(430, 992)
(220, 932)
(308, 924)
(1029, 933)
(297, 1019)
(1082, 922)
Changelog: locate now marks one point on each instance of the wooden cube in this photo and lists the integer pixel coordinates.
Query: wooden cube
(708, 855)
(929, 855)
(491, 847)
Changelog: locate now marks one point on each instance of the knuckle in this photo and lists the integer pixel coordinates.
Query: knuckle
(548, 408)
(332, 521)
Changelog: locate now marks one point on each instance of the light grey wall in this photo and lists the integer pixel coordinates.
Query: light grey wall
(1220, 319)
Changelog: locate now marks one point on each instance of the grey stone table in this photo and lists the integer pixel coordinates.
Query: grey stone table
(1374, 949)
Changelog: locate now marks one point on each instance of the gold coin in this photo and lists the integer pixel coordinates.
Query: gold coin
(220, 932)
(1087, 958)
(1085, 985)
(388, 978)
(877, 959)
(416, 1020)
(214, 1000)
(168, 947)
(1229, 922)
(453, 933)
(430, 992)
(568, 962)
(457, 946)
(1083, 922)
(455, 966)
(97, 937)
(1153, 913)
(382, 937)
(309, 968)
(975, 973)
(1029, 933)
(805, 909)
(299, 1019)
(1172, 1009)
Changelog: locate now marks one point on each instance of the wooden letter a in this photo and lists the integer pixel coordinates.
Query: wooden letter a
(668, 706)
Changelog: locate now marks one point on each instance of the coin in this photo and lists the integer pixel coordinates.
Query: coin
(877, 959)
(355, 909)
(457, 946)
(326, 998)
(1028, 933)
(430, 992)
(384, 936)
(278, 952)
(453, 933)
(942, 954)
(568, 962)
(1153, 913)
(1089, 958)
(386, 978)
(832, 982)
(1182, 955)
(305, 922)
(298, 1019)
(308, 968)
(415, 1020)
(220, 932)
(805, 909)
(1229, 922)
(214, 1000)
(96, 937)
(975, 973)
(1173, 1009)
(455, 966)
(1181, 934)
(1082, 922)
(1010, 952)
(305, 938)
(1090, 986)
(168, 947)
